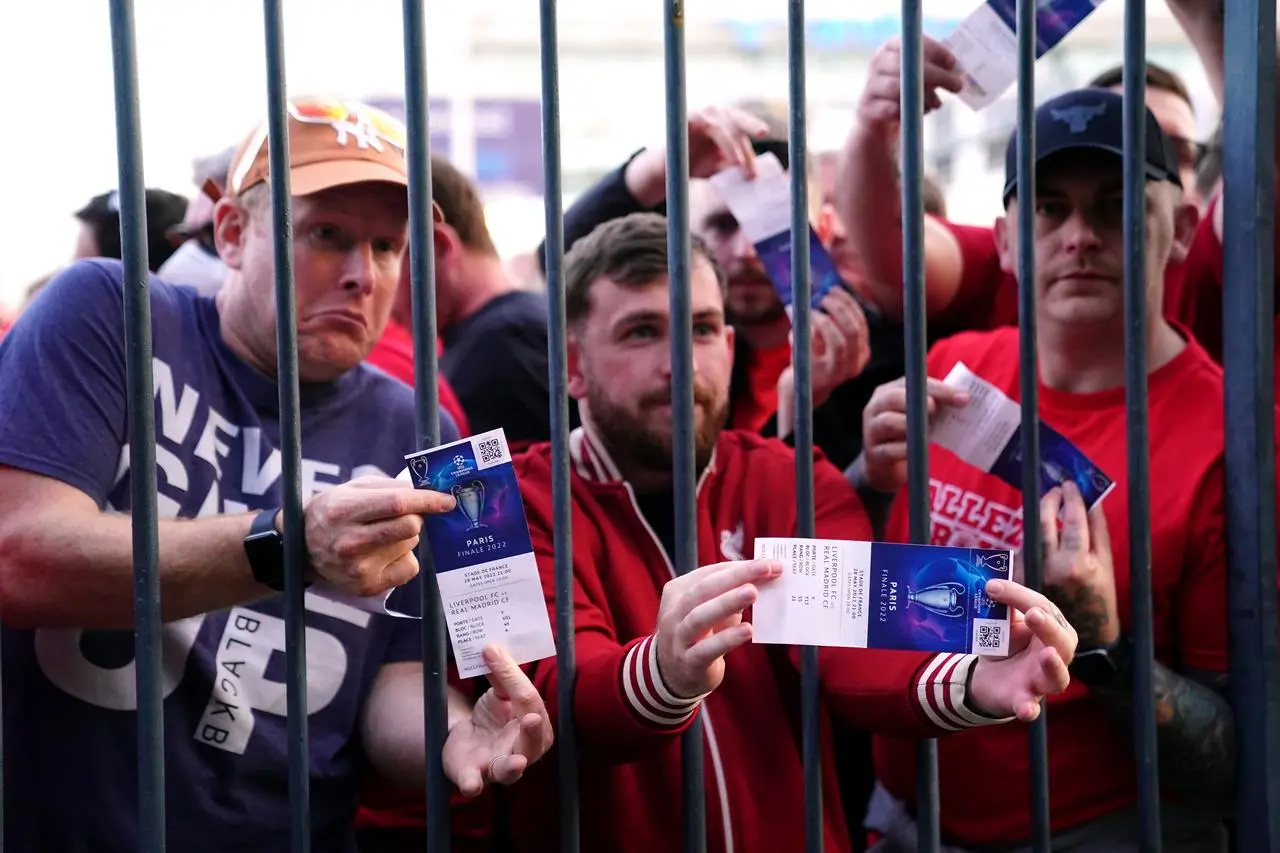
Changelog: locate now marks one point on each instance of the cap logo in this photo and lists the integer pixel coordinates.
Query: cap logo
(1077, 118)
(351, 122)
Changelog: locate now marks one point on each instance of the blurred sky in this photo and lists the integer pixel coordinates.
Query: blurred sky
(202, 71)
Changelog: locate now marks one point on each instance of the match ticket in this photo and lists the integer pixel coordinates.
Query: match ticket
(484, 562)
(879, 595)
(987, 433)
(762, 206)
(986, 43)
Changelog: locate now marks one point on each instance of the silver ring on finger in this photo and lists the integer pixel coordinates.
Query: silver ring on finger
(493, 774)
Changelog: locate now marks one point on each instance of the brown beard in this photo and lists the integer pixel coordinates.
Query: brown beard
(637, 448)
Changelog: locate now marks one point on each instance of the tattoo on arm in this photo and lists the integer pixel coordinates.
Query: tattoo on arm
(1085, 609)
(1195, 733)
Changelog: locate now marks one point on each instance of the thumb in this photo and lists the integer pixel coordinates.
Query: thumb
(504, 674)
(469, 782)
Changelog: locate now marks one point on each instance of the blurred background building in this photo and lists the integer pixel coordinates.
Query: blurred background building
(203, 78)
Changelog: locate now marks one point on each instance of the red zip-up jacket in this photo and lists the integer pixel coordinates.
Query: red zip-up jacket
(628, 723)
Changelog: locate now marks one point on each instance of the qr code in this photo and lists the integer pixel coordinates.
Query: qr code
(990, 636)
(490, 450)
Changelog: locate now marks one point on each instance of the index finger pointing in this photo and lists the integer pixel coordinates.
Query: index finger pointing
(376, 505)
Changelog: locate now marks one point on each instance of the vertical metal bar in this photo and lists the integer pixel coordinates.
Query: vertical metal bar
(1029, 374)
(801, 359)
(558, 370)
(142, 432)
(1135, 346)
(422, 276)
(915, 351)
(295, 558)
(1249, 144)
(684, 463)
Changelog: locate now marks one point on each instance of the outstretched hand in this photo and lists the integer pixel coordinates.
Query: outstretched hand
(1041, 646)
(508, 730)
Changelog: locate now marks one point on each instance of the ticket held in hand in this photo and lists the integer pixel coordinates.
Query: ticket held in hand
(488, 576)
(987, 433)
(880, 595)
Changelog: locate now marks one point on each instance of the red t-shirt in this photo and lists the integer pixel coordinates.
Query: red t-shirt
(1090, 756)
(763, 372)
(1196, 301)
(393, 353)
(987, 297)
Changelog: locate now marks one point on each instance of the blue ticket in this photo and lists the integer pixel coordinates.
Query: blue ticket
(775, 256)
(986, 43)
(879, 595)
(484, 562)
(987, 433)
(762, 207)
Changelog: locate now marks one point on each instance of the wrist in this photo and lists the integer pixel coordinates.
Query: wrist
(646, 177)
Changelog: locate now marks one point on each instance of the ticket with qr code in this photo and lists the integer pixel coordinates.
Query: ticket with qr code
(986, 43)
(881, 595)
(762, 207)
(987, 433)
(488, 576)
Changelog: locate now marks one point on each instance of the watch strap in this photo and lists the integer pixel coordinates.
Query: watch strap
(264, 547)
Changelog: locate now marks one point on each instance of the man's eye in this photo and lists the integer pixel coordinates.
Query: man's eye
(641, 332)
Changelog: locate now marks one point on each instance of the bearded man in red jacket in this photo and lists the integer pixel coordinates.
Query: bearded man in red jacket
(655, 651)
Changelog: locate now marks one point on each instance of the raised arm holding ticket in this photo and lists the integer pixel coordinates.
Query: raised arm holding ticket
(975, 500)
(656, 650)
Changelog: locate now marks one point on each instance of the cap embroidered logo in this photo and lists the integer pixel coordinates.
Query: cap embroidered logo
(1077, 118)
(351, 122)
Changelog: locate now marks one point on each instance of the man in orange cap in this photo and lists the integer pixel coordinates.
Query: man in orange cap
(66, 590)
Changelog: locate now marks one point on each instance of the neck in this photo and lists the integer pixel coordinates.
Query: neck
(1079, 360)
(475, 281)
(764, 334)
(235, 319)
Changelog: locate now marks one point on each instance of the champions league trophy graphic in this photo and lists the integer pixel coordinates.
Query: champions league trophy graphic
(470, 498)
(945, 599)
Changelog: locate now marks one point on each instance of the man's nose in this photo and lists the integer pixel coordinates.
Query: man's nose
(1080, 233)
(360, 270)
(741, 247)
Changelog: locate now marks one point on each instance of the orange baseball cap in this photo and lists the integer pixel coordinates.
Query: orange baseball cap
(332, 142)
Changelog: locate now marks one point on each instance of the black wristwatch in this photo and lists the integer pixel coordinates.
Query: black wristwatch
(264, 547)
(1104, 666)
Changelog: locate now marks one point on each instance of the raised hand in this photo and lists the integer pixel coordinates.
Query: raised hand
(700, 621)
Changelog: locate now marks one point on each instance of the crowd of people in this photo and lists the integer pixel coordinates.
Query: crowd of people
(654, 651)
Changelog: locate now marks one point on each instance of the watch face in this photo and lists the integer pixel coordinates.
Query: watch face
(1093, 667)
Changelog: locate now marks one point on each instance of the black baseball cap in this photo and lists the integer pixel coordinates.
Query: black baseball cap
(1090, 119)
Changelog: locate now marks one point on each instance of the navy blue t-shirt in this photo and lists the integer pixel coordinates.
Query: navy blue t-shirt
(70, 778)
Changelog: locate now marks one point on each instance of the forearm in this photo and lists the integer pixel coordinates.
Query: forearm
(80, 573)
(1202, 22)
(868, 205)
(392, 730)
(1195, 735)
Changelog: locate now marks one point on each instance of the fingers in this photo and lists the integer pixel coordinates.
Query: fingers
(892, 396)
(1042, 617)
(883, 91)
(886, 428)
(707, 651)
(1099, 536)
(723, 578)
(731, 131)
(1052, 629)
(511, 683)
(1075, 520)
(703, 618)
(470, 781)
(1049, 506)
(849, 319)
(366, 504)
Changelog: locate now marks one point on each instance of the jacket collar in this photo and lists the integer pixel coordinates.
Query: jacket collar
(593, 463)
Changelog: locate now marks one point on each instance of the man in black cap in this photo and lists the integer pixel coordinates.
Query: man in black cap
(1079, 249)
